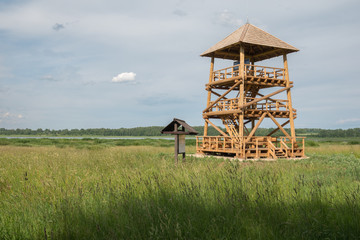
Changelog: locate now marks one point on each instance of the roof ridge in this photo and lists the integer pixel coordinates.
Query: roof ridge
(243, 34)
(274, 36)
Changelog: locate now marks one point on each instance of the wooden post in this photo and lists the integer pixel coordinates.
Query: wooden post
(241, 90)
(176, 148)
(303, 147)
(291, 116)
(257, 148)
(176, 143)
(209, 92)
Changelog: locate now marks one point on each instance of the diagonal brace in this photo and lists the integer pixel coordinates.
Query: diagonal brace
(274, 131)
(279, 126)
(218, 129)
(223, 95)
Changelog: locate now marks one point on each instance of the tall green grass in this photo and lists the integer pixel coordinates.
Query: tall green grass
(136, 192)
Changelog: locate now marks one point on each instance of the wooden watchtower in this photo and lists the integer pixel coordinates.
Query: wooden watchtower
(241, 96)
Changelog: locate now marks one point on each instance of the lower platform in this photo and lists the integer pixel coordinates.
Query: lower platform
(252, 148)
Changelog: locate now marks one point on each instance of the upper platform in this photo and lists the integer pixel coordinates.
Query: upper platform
(258, 45)
(253, 74)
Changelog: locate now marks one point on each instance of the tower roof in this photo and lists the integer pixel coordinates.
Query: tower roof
(258, 44)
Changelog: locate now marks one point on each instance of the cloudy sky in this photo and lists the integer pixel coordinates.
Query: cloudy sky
(117, 63)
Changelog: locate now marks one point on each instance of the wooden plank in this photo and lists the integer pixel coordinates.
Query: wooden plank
(279, 126)
(218, 129)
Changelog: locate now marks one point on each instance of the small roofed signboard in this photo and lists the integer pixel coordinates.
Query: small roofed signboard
(179, 128)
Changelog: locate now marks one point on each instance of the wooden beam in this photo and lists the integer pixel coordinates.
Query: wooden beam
(218, 129)
(217, 94)
(247, 122)
(266, 53)
(256, 126)
(231, 54)
(273, 100)
(247, 131)
(223, 95)
(291, 117)
(209, 91)
(279, 126)
(241, 89)
(176, 143)
(274, 131)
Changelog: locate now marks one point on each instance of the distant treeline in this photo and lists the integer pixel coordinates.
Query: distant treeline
(155, 131)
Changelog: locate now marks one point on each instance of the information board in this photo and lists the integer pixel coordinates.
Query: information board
(181, 144)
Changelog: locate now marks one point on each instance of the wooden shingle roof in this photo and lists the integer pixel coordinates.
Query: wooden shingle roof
(173, 128)
(258, 44)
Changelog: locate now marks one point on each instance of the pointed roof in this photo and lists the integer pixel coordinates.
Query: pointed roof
(258, 44)
(185, 130)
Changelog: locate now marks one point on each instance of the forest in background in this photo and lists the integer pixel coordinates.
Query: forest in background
(156, 131)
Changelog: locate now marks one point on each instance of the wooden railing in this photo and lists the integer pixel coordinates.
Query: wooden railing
(217, 143)
(271, 148)
(298, 142)
(291, 147)
(249, 71)
(267, 104)
(226, 105)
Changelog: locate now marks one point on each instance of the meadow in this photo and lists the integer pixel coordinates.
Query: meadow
(131, 189)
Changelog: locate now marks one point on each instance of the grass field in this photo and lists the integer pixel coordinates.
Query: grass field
(131, 189)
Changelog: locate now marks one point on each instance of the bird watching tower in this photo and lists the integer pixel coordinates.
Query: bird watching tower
(242, 95)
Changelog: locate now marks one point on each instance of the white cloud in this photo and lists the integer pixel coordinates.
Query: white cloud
(349, 120)
(10, 117)
(228, 18)
(124, 77)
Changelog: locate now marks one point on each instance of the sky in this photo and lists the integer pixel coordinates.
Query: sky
(115, 63)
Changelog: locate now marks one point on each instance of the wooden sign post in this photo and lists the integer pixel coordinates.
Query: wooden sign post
(179, 128)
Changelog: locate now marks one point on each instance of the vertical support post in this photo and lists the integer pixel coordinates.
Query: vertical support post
(257, 148)
(288, 92)
(241, 90)
(176, 148)
(252, 65)
(303, 147)
(209, 93)
(176, 144)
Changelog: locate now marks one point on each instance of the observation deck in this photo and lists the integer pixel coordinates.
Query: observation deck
(277, 107)
(253, 74)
